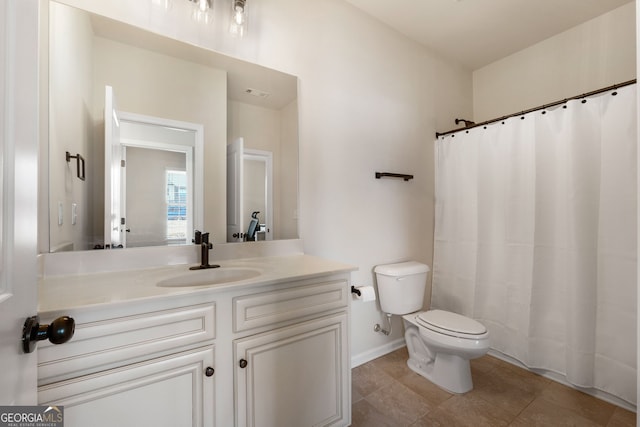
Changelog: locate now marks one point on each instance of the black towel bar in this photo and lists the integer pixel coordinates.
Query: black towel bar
(79, 164)
(393, 175)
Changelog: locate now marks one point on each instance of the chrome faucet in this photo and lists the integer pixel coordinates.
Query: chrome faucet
(202, 239)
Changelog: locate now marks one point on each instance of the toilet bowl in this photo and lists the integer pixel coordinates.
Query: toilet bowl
(440, 343)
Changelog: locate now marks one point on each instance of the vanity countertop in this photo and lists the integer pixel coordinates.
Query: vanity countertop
(59, 293)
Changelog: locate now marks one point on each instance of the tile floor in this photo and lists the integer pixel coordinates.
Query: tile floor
(387, 393)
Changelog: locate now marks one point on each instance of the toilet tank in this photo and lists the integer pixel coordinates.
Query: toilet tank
(401, 286)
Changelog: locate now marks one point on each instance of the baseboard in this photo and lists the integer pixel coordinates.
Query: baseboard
(374, 353)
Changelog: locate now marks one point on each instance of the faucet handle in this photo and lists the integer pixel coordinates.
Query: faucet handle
(198, 237)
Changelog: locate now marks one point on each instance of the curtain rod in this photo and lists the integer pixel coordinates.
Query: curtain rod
(542, 107)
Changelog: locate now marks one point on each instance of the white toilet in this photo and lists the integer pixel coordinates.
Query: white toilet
(440, 343)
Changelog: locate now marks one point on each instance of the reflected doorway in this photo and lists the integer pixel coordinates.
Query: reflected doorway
(153, 179)
(156, 206)
(249, 193)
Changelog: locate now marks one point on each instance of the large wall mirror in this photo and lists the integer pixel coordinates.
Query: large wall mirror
(155, 187)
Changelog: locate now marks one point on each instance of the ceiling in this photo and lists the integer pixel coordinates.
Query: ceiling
(242, 77)
(476, 33)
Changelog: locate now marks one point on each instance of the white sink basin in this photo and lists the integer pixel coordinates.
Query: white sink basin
(210, 276)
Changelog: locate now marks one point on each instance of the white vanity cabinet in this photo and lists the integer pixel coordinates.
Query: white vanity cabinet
(144, 369)
(296, 375)
(262, 353)
(272, 350)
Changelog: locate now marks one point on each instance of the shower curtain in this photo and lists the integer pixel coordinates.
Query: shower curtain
(535, 237)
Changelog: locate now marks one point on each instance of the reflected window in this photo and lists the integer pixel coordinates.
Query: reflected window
(176, 205)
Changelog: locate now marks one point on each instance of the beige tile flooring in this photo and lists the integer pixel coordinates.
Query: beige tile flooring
(386, 392)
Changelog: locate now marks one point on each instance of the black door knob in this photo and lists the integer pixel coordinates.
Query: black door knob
(58, 332)
(243, 363)
(209, 371)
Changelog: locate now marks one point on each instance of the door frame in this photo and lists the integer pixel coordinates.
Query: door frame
(267, 158)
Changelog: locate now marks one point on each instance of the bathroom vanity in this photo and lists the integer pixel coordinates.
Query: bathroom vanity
(267, 344)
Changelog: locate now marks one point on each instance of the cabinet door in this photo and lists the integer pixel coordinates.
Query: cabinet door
(295, 376)
(165, 392)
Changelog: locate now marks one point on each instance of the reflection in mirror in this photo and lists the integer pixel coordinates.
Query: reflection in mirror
(257, 181)
(156, 198)
(249, 193)
(158, 77)
(160, 180)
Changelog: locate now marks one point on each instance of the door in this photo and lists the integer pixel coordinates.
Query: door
(19, 193)
(235, 221)
(294, 376)
(171, 391)
(112, 165)
(257, 188)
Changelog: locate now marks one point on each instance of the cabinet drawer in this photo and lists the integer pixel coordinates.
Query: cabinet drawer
(268, 308)
(106, 344)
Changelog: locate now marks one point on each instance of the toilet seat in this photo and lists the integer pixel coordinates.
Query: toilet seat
(452, 324)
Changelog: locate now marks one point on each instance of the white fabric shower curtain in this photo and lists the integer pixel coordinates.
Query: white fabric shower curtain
(535, 237)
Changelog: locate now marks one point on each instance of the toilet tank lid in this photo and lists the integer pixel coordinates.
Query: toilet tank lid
(402, 268)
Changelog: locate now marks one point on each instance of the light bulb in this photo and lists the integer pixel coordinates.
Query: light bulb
(202, 11)
(238, 20)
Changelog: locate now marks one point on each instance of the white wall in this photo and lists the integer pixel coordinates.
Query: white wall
(287, 206)
(369, 100)
(596, 54)
(71, 127)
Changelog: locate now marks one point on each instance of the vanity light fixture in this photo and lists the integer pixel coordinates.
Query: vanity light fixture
(202, 11)
(238, 21)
